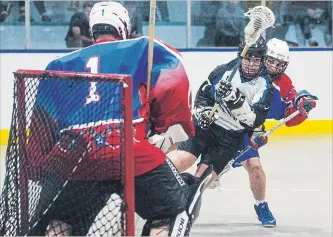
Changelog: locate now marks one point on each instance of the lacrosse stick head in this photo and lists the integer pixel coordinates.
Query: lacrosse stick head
(261, 18)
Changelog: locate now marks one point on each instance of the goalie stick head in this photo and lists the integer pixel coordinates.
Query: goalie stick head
(109, 18)
(277, 58)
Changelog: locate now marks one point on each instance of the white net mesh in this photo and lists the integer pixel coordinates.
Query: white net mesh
(261, 18)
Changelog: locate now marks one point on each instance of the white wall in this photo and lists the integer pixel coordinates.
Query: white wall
(311, 70)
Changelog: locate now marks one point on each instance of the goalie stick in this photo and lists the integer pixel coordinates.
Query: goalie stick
(242, 152)
(261, 18)
(152, 16)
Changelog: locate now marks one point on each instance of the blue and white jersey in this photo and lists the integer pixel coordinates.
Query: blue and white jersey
(258, 94)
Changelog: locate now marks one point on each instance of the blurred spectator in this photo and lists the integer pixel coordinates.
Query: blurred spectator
(161, 6)
(329, 35)
(73, 6)
(294, 34)
(305, 26)
(315, 26)
(78, 34)
(313, 43)
(163, 9)
(330, 19)
(280, 30)
(230, 24)
(208, 18)
(40, 6)
(311, 17)
(292, 44)
(5, 8)
(206, 40)
(133, 8)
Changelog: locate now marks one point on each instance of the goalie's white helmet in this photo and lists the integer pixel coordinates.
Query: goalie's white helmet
(277, 58)
(110, 13)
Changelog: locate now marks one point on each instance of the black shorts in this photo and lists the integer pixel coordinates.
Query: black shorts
(217, 146)
(160, 193)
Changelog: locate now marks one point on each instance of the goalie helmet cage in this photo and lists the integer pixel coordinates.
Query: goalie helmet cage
(69, 172)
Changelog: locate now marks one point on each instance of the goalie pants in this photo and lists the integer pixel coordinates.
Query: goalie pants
(159, 194)
(217, 146)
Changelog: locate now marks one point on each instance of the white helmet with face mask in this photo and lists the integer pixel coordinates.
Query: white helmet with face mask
(277, 57)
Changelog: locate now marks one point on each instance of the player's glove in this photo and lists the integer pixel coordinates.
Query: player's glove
(258, 139)
(204, 120)
(304, 102)
(226, 92)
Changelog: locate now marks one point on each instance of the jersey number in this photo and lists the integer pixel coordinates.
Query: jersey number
(93, 67)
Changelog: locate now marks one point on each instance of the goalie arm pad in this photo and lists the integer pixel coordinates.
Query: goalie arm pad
(173, 135)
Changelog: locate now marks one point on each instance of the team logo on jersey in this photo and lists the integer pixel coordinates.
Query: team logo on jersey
(93, 96)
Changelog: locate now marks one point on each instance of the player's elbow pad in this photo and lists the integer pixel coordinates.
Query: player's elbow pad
(245, 114)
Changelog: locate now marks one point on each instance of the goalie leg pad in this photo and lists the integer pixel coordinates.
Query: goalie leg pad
(181, 224)
(177, 225)
(197, 187)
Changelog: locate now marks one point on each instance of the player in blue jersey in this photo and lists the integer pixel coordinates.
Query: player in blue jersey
(285, 101)
(166, 199)
(243, 105)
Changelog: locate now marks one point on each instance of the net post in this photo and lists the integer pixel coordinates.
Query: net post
(128, 158)
(22, 139)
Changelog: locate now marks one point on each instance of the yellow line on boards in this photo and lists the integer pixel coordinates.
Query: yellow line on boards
(307, 127)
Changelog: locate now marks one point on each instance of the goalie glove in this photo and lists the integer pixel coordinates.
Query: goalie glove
(203, 117)
(258, 139)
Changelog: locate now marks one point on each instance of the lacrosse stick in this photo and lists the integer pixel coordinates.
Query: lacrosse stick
(242, 152)
(152, 15)
(261, 18)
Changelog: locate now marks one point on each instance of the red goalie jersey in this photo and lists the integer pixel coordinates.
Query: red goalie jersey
(64, 139)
